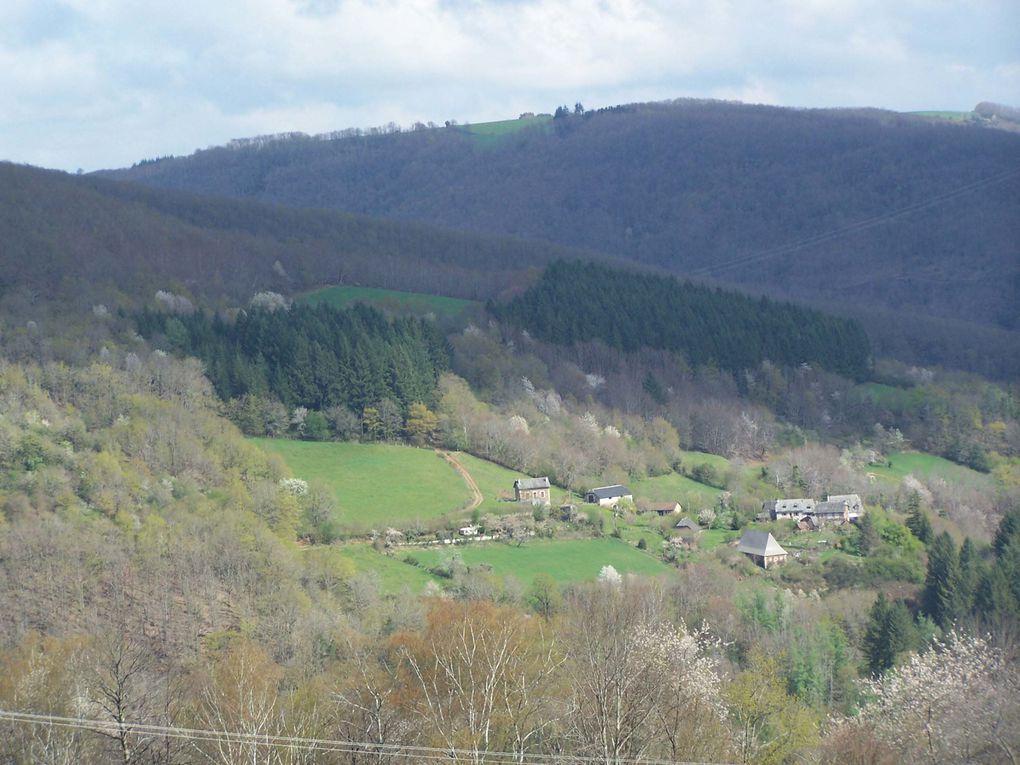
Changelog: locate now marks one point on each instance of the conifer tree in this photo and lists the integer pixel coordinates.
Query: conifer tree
(1009, 530)
(943, 598)
(890, 632)
(917, 520)
(869, 538)
(968, 573)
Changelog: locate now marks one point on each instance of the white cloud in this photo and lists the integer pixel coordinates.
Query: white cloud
(107, 82)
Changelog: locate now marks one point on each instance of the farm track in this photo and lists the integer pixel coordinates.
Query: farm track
(476, 494)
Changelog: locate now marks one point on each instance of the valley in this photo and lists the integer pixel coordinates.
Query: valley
(442, 442)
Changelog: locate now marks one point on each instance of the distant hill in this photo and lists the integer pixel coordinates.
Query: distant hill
(849, 208)
(75, 239)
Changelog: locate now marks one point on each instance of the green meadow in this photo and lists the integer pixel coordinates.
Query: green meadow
(924, 465)
(569, 560)
(389, 300)
(377, 485)
(488, 132)
(394, 575)
(674, 487)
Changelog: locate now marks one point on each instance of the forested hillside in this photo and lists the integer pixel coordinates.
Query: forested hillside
(312, 357)
(85, 240)
(853, 208)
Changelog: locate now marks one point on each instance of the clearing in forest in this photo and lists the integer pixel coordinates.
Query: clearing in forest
(393, 301)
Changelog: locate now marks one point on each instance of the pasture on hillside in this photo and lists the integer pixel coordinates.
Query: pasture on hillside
(393, 575)
(567, 560)
(924, 465)
(392, 301)
(497, 484)
(673, 487)
(377, 485)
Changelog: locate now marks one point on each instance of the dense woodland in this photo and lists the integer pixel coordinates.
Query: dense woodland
(578, 302)
(315, 358)
(927, 210)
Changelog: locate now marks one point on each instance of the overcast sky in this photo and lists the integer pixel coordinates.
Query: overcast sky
(104, 83)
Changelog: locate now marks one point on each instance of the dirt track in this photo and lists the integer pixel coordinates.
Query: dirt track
(475, 492)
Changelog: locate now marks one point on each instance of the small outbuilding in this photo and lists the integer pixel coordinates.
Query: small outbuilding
(762, 548)
(608, 496)
(688, 525)
(672, 508)
(537, 491)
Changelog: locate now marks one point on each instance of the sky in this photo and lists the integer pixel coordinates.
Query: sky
(91, 84)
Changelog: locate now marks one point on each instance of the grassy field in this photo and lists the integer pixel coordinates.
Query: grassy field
(569, 560)
(887, 395)
(488, 132)
(391, 300)
(673, 487)
(393, 574)
(377, 485)
(690, 459)
(946, 115)
(920, 464)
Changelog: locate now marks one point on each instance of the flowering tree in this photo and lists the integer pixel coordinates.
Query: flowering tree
(641, 686)
(955, 703)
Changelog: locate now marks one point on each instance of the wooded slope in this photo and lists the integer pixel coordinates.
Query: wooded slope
(85, 240)
(885, 209)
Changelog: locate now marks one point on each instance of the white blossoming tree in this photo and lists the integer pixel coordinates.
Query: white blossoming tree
(959, 702)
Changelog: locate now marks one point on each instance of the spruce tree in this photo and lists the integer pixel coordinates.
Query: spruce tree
(968, 573)
(889, 633)
(942, 597)
(869, 538)
(917, 520)
(993, 598)
(1009, 529)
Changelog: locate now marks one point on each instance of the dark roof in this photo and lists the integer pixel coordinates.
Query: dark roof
(529, 484)
(610, 492)
(827, 508)
(687, 523)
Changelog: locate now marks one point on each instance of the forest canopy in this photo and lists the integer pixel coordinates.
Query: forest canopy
(316, 357)
(575, 302)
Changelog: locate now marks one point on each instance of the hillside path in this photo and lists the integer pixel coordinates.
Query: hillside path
(476, 494)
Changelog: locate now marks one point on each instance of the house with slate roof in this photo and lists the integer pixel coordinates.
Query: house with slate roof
(855, 508)
(789, 509)
(608, 496)
(808, 514)
(762, 548)
(832, 512)
(534, 490)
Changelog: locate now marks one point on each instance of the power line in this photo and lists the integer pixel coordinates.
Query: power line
(111, 727)
(852, 228)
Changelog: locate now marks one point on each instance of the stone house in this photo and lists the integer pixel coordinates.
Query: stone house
(537, 491)
(789, 509)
